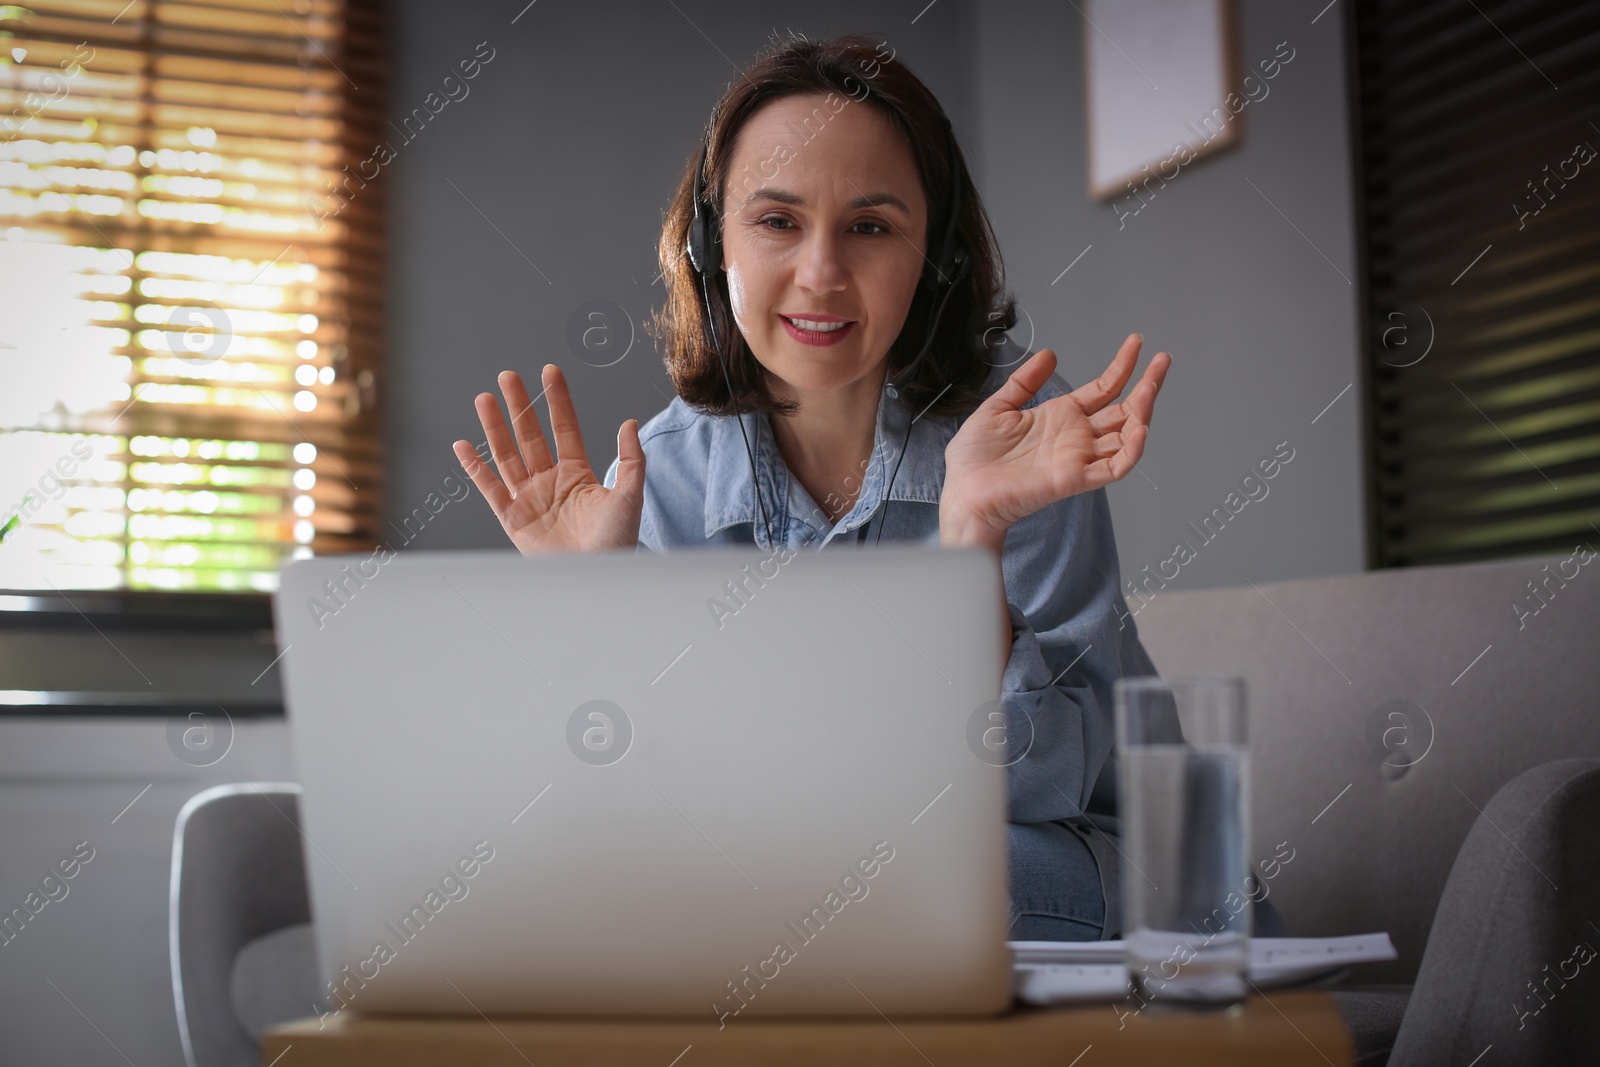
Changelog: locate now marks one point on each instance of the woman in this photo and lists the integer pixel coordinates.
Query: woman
(816, 385)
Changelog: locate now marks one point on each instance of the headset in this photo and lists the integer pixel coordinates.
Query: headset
(947, 267)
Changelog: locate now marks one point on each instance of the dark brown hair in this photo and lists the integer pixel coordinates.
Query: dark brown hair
(978, 311)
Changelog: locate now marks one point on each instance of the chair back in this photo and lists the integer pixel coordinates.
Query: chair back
(238, 874)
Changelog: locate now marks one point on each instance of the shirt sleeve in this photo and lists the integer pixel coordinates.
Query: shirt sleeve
(1073, 637)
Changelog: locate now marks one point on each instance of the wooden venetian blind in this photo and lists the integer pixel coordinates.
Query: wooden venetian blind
(192, 280)
(1482, 210)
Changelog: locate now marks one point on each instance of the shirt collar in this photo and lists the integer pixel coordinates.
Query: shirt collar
(730, 497)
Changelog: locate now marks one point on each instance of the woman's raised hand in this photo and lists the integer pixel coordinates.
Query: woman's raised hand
(1006, 463)
(559, 505)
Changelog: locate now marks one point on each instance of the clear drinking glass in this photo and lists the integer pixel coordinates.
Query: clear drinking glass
(1183, 792)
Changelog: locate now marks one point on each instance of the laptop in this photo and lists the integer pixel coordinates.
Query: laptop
(719, 784)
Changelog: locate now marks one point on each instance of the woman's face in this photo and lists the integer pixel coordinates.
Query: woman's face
(823, 219)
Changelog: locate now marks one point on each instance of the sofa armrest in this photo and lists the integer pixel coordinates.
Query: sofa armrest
(1511, 956)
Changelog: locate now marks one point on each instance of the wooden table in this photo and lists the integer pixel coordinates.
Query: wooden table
(1284, 1030)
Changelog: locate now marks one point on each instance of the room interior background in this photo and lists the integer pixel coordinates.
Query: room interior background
(536, 198)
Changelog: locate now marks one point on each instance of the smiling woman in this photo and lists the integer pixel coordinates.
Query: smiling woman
(875, 145)
(835, 331)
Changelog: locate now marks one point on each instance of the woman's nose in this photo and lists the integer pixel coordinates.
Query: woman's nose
(820, 269)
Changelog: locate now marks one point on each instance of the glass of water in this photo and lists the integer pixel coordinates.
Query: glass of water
(1183, 792)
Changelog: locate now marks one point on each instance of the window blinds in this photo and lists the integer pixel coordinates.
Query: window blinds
(192, 276)
(1482, 210)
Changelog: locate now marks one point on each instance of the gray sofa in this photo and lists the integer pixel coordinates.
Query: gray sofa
(1387, 709)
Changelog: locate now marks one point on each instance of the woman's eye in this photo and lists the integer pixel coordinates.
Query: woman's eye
(780, 224)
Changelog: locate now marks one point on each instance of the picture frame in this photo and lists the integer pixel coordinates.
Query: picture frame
(1156, 75)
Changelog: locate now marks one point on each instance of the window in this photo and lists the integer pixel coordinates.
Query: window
(192, 278)
(1482, 212)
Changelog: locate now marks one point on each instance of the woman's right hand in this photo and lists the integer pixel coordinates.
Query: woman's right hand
(553, 506)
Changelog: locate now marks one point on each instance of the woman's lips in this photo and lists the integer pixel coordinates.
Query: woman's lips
(817, 337)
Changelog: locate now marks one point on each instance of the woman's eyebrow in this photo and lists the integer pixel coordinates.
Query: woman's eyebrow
(868, 200)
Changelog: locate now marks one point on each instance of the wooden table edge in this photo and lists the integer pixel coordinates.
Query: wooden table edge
(1279, 1028)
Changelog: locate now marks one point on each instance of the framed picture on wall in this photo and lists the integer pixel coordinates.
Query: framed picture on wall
(1159, 77)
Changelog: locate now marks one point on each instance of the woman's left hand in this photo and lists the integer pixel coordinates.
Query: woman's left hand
(1006, 463)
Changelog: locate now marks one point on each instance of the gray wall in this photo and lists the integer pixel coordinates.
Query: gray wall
(575, 172)
(1262, 328)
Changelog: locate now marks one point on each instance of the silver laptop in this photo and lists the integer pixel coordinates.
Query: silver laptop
(709, 783)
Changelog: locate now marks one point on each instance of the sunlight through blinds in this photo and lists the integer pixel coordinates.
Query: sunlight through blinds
(192, 277)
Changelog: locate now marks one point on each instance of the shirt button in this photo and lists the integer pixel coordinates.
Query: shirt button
(892, 393)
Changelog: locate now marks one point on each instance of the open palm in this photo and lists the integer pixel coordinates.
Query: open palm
(553, 505)
(1005, 463)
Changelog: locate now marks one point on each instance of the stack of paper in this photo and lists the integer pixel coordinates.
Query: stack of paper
(1049, 972)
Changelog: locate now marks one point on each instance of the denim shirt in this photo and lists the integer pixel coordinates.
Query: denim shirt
(1073, 635)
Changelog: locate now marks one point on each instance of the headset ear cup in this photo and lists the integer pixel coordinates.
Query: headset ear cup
(705, 241)
(696, 241)
(705, 247)
(946, 272)
(704, 253)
